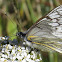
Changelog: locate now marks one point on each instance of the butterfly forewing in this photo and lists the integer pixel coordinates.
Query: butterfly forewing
(47, 32)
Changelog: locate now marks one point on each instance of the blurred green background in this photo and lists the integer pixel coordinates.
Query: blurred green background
(19, 15)
(22, 14)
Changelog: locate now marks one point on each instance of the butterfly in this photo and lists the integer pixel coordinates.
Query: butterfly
(46, 33)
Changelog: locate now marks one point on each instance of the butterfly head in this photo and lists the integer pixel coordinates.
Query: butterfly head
(21, 34)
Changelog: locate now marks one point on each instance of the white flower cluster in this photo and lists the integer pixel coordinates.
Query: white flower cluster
(18, 54)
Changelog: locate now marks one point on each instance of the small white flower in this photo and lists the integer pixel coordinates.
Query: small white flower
(23, 48)
(28, 56)
(9, 46)
(29, 60)
(37, 60)
(2, 59)
(4, 55)
(23, 60)
(13, 51)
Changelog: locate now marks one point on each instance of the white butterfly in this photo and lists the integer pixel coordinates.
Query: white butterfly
(46, 34)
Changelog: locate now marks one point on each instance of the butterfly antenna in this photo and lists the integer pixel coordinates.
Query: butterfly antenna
(9, 18)
(18, 23)
(4, 12)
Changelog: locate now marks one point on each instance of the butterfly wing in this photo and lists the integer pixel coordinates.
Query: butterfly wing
(47, 32)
